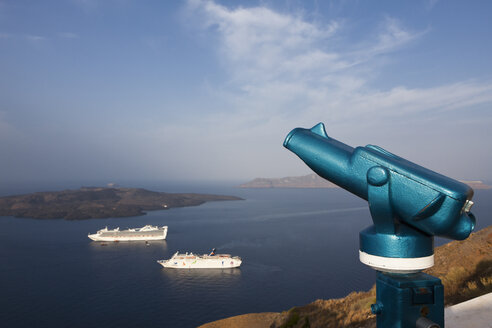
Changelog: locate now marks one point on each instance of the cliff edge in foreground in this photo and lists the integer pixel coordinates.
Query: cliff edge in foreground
(465, 268)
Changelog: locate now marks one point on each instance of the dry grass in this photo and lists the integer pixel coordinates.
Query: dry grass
(353, 311)
(461, 284)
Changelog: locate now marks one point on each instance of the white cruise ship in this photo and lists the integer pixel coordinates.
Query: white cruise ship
(147, 232)
(205, 261)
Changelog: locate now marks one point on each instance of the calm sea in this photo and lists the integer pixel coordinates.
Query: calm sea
(297, 245)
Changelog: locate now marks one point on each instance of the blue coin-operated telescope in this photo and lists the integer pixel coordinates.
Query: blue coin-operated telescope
(409, 205)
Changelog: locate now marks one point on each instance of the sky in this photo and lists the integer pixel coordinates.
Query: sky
(115, 90)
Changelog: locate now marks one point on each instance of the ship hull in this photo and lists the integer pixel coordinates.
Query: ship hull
(126, 235)
(201, 262)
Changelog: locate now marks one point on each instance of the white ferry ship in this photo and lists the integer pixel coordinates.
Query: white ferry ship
(147, 232)
(205, 261)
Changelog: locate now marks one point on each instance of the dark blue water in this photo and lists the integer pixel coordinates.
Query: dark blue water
(297, 245)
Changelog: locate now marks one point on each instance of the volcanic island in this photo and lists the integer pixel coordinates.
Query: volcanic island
(99, 202)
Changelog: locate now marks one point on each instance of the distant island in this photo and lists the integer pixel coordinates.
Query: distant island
(315, 181)
(98, 202)
(306, 181)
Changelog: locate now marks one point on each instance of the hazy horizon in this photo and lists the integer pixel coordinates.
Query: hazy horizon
(124, 90)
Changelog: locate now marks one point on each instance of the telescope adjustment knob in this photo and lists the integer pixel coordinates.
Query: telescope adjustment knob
(377, 176)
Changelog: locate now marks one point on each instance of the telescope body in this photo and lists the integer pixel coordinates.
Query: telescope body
(398, 191)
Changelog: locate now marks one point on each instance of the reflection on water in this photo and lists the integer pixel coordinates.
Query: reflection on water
(209, 276)
(303, 214)
(262, 268)
(200, 283)
(102, 246)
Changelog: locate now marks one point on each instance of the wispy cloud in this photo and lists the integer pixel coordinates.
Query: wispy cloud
(392, 36)
(36, 38)
(68, 35)
(258, 43)
(286, 61)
